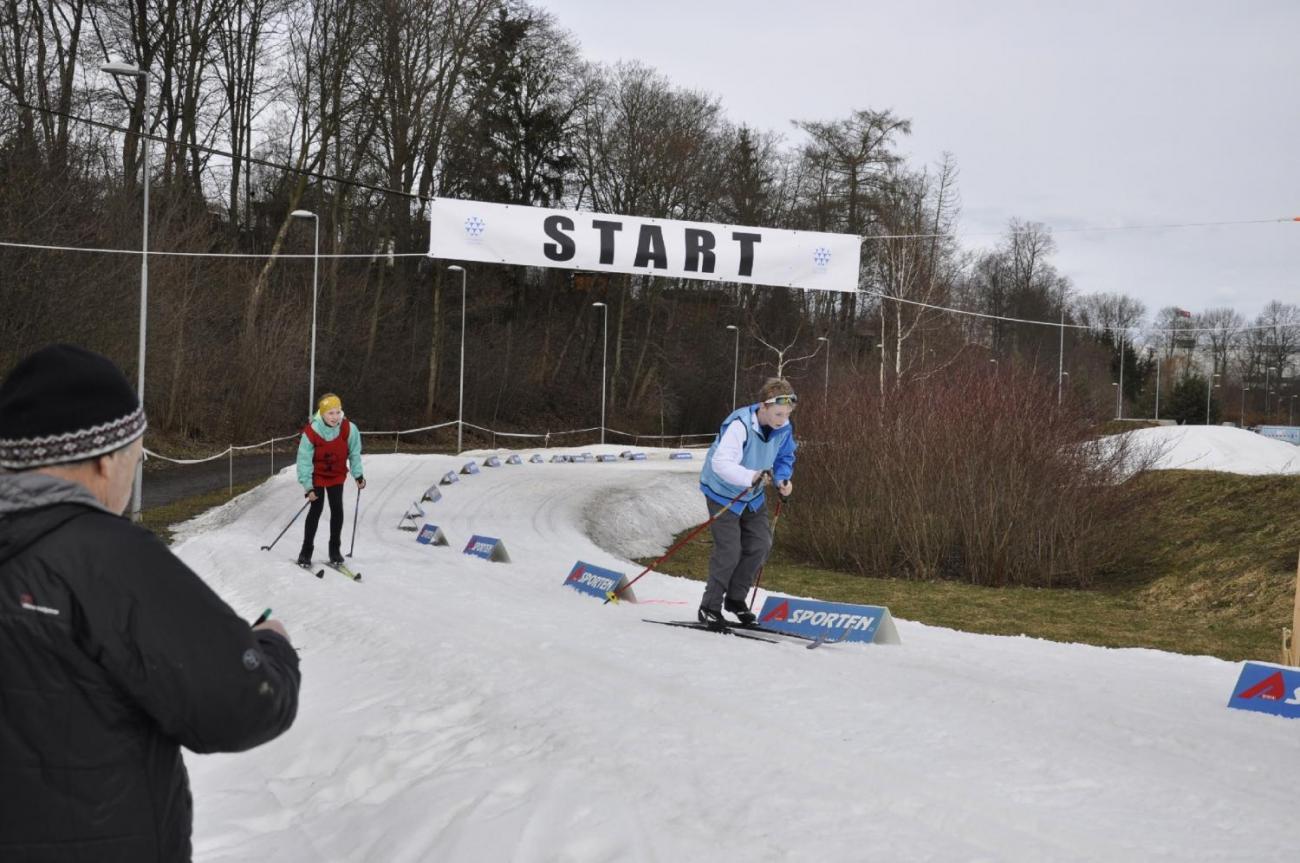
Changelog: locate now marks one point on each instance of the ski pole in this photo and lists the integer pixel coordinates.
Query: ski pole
(613, 594)
(286, 527)
(355, 509)
(776, 517)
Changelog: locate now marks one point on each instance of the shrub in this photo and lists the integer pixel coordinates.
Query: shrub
(968, 476)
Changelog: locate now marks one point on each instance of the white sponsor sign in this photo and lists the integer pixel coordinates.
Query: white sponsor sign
(538, 237)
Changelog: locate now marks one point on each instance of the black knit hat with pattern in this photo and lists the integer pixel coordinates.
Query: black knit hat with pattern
(64, 404)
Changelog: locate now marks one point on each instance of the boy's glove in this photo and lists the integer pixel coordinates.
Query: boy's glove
(763, 478)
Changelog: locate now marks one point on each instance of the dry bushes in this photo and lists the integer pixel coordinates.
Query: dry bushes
(969, 476)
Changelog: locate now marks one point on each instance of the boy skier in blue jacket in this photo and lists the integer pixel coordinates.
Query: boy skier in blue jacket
(754, 448)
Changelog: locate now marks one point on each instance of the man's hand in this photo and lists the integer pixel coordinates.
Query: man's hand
(361, 482)
(311, 495)
(764, 478)
(275, 626)
(785, 489)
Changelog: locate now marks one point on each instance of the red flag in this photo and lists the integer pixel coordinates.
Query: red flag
(1182, 313)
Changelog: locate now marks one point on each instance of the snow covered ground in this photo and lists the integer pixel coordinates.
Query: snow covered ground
(459, 710)
(1221, 448)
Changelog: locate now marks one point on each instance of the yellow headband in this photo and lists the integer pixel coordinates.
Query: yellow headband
(329, 403)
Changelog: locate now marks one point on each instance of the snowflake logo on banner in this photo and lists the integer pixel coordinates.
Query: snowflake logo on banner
(822, 257)
(474, 228)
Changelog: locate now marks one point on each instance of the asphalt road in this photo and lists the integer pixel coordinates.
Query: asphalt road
(166, 483)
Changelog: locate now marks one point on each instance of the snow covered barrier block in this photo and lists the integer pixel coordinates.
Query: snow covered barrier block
(469, 469)
(411, 517)
(680, 455)
(536, 458)
(488, 548)
(449, 478)
(637, 456)
(514, 459)
(834, 621)
(431, 534)
(1271, 689)
(607, 458)
(491, 461)
(598, 582)
(559, 458)
(627, 453)
(431, 494)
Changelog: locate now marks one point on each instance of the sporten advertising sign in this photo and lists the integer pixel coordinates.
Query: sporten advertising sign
(572, 240)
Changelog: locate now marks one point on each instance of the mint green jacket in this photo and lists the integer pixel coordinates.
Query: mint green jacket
(306, 451)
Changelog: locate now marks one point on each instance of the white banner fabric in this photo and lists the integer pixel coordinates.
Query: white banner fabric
(571, 240)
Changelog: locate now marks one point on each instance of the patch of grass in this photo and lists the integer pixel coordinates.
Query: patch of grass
(161, 519)
(1216, 576)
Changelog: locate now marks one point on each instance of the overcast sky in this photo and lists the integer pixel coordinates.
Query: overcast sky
(1081, 114)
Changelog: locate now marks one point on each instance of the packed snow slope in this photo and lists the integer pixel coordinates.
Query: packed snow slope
(1220, 448)
(454, 709)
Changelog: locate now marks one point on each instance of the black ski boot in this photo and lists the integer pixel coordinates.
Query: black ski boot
(740, 608)
(711, 618)
(304, 559)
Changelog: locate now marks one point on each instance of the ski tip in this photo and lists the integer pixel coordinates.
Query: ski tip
(610, 596)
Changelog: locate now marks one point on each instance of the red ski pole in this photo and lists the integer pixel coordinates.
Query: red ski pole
(776, 517)
(613, 594)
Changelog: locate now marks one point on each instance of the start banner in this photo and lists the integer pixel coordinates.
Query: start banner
(572, 240)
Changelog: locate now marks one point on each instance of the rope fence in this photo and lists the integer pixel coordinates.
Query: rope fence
(545, 437)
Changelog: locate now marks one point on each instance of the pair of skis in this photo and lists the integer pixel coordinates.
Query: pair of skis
(754, 632)
(341, 568)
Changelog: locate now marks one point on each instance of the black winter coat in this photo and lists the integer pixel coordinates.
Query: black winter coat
(113, 655)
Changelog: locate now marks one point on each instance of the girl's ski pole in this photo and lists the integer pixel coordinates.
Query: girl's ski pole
(355, 510)
(286, 527)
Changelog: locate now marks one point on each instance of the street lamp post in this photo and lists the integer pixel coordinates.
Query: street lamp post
(460, 410)
(1151, 354)
(315, 275)
(1267, 369)
(826, 389)
(604, 352)
(1119, 410)
(735, 365)
(127, 70)
(1244, 389)
(1209, 384)
(1290, 417)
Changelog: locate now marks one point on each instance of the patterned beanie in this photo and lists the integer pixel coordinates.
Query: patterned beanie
(64, 404)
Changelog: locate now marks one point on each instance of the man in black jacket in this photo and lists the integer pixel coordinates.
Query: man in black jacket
(113, 653)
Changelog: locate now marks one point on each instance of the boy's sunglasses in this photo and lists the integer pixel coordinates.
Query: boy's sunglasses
(791, 400)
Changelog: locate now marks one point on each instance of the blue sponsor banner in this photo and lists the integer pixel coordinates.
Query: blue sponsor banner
(834, 621)
(559, 458)
(431, 494)
(514, 459)
(431, 534)
(535, 459)
(680, 455)
(597, 581)
(1290, 434)
(1271, 689)
(449, 478)
(469, 468)
(637, 456)
(488, 548)
(491, 461)
(607, 457)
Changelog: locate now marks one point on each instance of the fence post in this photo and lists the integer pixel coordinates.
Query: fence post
(231, 461)
(397, 437)
(272, 456)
